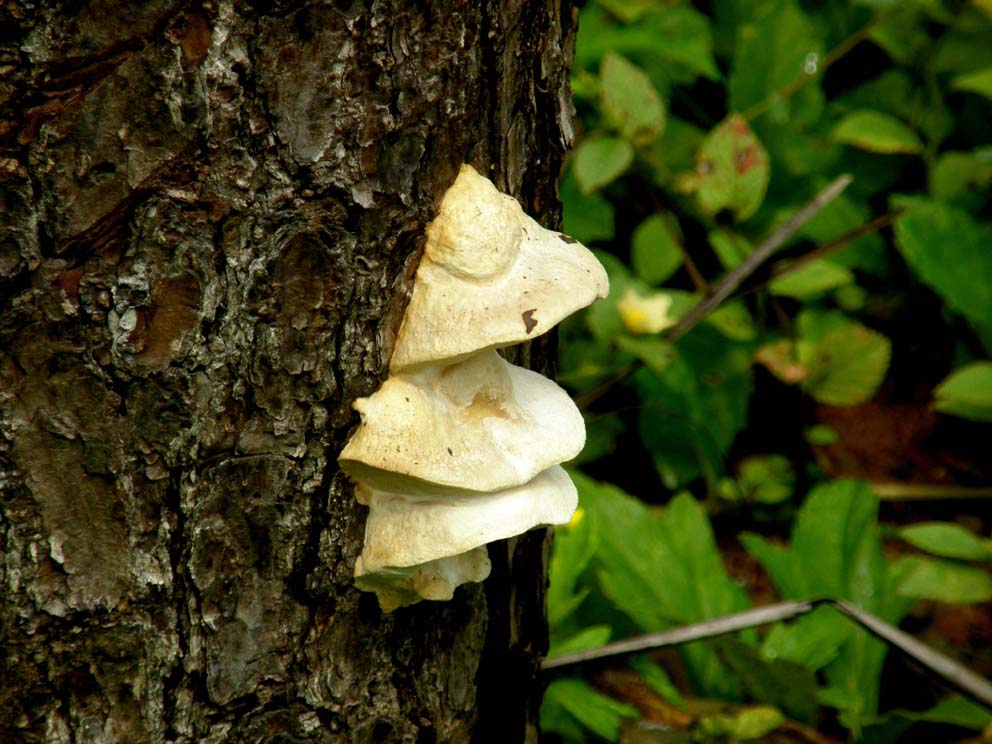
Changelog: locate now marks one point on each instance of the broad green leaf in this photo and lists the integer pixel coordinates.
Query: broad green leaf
(734, 321)
(595, 711)
(574, 545)
(753, 722)
(811, 279)
(957, 173)
(601, 160)
(772, 52)
(586, 217)
(967, 392)
(959, 711)
(945, 581)
(979, 82)
(657, 679)
(674, 41)
(594, 636)
(732, 170)
(730, 247)
(656, 353)
(783, 684)
(847, 365)
(630, 104)
(952, 252)
(813, 640)
(693, 411)
(947, 540)
(655, 251)
(662, 571)
(629, 11)
(876, 132)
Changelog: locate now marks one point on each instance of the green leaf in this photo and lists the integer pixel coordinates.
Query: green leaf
(656, 353)
(947, 540)
(840, 362)
(662, 571)
(945, 581)
(595, 711)
(967, 392)
(630, 104)
(766, 479)
(732, 170)
(778, 682)
(655, 251)
(601, 160)
(979, 82)
(876, 132)
(811, 279)
(949, 250)
(586, 217)
(594, 636)
(772, 52)
(657, 679)
(693, 411)
(957, 173)
(813, 640)
(752, 722)
(574, 545)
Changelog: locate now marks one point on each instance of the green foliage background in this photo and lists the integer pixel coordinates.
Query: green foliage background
(702, 128)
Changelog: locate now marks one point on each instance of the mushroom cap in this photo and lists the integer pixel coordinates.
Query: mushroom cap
(437, 580)
(479, 425)
(407, 530)
(490, 277)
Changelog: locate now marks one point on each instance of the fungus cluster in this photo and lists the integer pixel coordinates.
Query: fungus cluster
(459, 448)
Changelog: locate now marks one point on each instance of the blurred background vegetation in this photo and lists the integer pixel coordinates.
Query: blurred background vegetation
(824, 431)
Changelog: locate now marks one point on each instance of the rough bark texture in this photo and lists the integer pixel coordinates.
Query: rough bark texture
(210, 213)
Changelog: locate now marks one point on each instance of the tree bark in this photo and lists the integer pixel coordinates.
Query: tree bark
(211, 214)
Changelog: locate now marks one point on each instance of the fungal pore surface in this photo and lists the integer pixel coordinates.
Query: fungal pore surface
(458, 447)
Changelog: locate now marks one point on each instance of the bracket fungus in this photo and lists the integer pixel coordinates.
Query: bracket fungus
(458, 447)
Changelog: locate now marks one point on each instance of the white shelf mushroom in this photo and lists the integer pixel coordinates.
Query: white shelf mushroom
(482, 424)
(459, 447)
(409, 538)
(490, 277)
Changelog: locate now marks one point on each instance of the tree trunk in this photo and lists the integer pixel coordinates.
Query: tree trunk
(211, 213)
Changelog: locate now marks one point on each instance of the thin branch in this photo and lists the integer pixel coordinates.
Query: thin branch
(952, 672)
(837, 244)
(733, 278)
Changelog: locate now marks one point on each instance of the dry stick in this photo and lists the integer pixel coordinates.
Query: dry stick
(730, 281)
(951, 671)
(837, 244)
(733, 278)
(824, 250)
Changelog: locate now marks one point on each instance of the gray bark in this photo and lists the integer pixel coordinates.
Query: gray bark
(211, 212)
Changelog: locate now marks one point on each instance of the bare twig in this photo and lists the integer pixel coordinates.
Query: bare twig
(951, 671)
(733, 278)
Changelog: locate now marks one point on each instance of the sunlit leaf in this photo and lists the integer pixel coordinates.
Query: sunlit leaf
(846, 365)
(947, 540)
(748, 723)
(630, 103)
(946, 581)
(967, 392)
(975, 82)
(811, 279)
(601, 160)
(594, 636)
(649, 314)
(813, 640)
(732, 170)
(877, 132)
